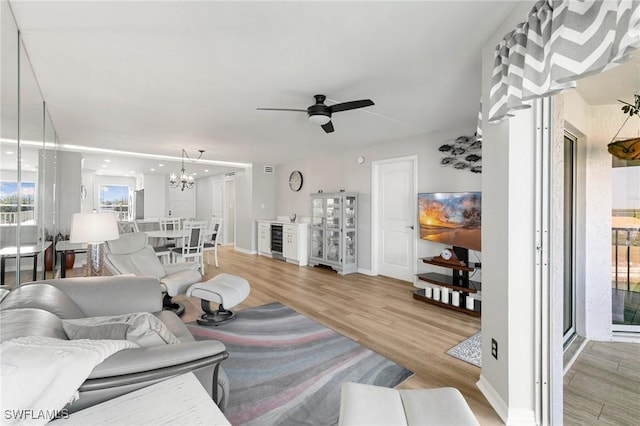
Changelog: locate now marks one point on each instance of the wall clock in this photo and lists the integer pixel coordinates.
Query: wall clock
(295, 180)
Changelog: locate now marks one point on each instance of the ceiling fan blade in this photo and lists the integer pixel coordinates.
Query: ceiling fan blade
(328, 128)
(345, 106)
(280, 109)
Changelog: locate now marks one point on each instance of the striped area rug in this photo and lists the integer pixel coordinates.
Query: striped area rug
(286, 369)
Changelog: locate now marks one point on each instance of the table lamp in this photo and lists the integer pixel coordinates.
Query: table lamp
(94, 229)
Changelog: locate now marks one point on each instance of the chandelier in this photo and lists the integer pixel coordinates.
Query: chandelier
(184, 181)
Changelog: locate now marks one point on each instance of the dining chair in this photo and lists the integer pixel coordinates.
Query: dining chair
(169, 224)
(127, 227)
(192, 245)
(211, 239)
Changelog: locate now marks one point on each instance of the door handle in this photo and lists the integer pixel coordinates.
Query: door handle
(410, 226)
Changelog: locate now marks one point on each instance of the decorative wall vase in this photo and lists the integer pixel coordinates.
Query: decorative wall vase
(69, 259)
(48, 259)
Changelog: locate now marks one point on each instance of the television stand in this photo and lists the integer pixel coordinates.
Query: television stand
(458, 282)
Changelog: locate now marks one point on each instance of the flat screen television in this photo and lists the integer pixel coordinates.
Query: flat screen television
(451, 218)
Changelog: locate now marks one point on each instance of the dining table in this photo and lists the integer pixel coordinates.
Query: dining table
(169, 233)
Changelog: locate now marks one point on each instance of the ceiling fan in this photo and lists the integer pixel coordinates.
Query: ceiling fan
(319, 113)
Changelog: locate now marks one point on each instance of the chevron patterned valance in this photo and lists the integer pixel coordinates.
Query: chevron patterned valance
(562, 41)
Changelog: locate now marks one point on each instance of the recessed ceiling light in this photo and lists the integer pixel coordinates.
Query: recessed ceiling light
(132, 172)
(193, 174)
(107, 161)
(153, 170)
(103, 165)
(206, 170)
(160, 165)
(9, 152)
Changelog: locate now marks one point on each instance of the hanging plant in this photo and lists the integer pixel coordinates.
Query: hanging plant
(631, 109)
(627, 149)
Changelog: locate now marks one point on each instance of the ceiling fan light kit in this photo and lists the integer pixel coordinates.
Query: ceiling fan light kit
(320, 119)
(320, 114)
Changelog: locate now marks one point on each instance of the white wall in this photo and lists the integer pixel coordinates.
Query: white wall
(332, 174)
(88, 180)
(508, 251)
(245, 232)
(155, 195)
(68, 178)
(626, 180)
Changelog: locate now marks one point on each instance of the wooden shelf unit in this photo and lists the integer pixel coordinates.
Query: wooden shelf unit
(457, 265)
(420, 295)
(458, 281)
(447, 281)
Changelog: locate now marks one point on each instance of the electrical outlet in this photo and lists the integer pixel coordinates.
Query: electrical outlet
(494, 348)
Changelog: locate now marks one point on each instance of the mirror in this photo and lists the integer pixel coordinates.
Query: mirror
(27, 212)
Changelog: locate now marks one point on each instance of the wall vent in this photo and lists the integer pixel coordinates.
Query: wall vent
(269, 169)
(230, 174)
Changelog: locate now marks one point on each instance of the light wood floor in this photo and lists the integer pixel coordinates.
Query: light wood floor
(378, 312)
(602, 387)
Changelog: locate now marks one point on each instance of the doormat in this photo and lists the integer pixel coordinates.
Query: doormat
(469, 350)
(286, 369)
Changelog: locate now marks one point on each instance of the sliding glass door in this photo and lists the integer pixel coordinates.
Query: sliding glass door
(569, 298)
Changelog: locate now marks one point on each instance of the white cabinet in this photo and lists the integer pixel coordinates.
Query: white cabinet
(334, 222)
(294, 241)
(264, 237)
(294, 247)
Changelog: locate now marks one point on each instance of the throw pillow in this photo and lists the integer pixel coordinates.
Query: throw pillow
(143, 329)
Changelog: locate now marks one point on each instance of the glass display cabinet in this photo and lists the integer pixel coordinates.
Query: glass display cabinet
(334, 222)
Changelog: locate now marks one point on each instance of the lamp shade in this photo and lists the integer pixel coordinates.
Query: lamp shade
(93, 228)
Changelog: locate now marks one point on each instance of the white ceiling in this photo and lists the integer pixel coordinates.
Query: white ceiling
(157, 77)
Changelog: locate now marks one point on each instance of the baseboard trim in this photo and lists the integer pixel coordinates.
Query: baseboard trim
(500, 407)
(510, 416)
(366, 272)
(245, 251)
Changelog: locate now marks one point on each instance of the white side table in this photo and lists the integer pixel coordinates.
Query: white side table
(178, 401)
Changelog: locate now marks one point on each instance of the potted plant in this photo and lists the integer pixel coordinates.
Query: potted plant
(627, 149)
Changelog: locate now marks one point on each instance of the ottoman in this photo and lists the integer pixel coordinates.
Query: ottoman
(224, 289)
(371, 405)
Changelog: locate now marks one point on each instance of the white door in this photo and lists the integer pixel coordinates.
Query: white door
(229, 212)
(394, 208)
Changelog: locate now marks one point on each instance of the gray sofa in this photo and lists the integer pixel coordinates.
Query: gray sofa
(37, 309)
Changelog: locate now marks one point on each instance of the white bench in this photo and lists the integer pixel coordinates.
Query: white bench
(375, 405)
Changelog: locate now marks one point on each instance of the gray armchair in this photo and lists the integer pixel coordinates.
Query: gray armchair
(132, 254)
(38, 308)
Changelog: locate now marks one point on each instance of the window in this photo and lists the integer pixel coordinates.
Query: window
(115, 199)
(9, 202)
